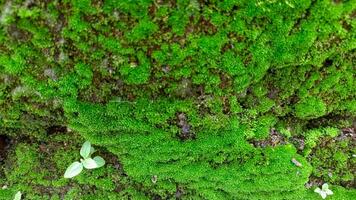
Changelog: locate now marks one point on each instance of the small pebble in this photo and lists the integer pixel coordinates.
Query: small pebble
(166, 69)
(298, 164)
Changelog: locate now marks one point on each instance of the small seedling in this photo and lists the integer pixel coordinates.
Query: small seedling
(87, 162)
(18, 196)
(324, 191)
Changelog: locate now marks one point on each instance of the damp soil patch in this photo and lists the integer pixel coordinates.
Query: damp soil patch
(274, 138)
(5, 143)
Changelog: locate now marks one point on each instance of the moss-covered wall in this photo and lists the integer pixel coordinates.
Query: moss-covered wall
(211, 99)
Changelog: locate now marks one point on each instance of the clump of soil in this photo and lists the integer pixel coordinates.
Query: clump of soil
(273, 140)
(4, 146)
(298, 142)
(56, 129)
(185, 128)
(347, 133)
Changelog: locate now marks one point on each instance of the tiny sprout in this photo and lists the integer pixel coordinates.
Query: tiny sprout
(324, 191)
(87, 162)
(154, 179)
(18, 196)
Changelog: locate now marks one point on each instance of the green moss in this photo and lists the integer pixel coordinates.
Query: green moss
(137, 73)
(309, 108)
(39, 176)
(177, 89)
(193, 160)
(6, 194)
(333, 160)
(178, 20)
(142, 30)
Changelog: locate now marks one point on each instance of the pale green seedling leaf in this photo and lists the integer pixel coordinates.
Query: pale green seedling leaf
(317, 190)
(325, 186)
(324, 191)
(85, 150)
(329, 192)
(89, 163)
(92, 150)
(18, 196)
(73, 170)
(323, 194)
(99, 161)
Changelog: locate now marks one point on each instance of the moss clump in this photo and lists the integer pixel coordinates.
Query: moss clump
(334, 160)
(219, 154)
(37, 171)
(310, 108)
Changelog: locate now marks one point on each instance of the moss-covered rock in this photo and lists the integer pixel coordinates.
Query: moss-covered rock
(180, 92)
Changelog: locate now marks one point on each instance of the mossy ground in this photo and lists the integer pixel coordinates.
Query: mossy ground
(186, 99)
